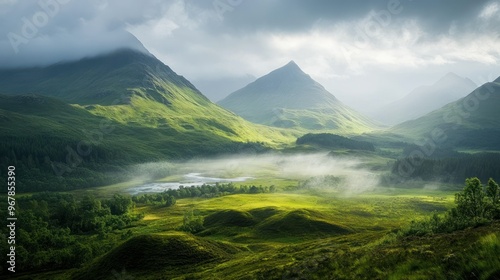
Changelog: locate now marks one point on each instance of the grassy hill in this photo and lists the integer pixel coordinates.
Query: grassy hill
(162, 254)
(287, 97)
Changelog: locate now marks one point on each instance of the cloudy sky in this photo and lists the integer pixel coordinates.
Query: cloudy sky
(366, 53)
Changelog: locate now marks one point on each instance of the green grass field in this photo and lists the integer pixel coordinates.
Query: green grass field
(299, 234)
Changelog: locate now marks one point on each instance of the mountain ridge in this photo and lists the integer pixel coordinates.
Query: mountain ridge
(92, 80)
(135, 89)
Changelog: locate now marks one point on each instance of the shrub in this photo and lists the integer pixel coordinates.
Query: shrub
(474, 207)
(192, 222)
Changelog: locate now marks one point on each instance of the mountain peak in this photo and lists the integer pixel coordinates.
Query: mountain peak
(292, 66)
(426, 99)
(453, 79)
(289, 73)
(497, 80)
(450, 77)
(104, 79)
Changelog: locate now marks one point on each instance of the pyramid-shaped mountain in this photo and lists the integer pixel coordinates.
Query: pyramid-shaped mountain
(288, 97)
(470, 122)
(426, 99)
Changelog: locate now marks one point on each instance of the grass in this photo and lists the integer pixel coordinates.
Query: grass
(294, 235)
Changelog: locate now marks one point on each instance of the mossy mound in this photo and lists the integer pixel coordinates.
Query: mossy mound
(264, 212)
(159, 253)
(229, 218)
(302, 222)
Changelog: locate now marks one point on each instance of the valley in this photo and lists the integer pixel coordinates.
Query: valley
(292, 232)
(124, 169)
(269, 216)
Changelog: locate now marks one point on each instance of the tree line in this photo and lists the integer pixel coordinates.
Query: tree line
(449, 169)
(168, 197)
(333, 141)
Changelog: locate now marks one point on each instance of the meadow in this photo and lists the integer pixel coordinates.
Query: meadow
(335, 220)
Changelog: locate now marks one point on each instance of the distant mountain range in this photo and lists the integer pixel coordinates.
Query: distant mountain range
(287, 97)
(471, 122)
(155, 113)
(425, 99)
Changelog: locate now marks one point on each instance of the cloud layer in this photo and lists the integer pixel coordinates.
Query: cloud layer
(391, 45)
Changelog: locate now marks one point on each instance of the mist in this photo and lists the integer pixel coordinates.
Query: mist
(313, 168)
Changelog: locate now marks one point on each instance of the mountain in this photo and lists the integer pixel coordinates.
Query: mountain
(425, 99)
(471, 122)
(115, 109)
(132, 88)
(100, 80)
(288, 97)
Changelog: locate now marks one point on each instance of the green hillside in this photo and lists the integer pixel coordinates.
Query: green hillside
(471, 122)
(98, 80)
(133, 88)
(287, 97)
(111, 111)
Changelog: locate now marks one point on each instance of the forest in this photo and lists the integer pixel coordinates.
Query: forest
(333, 141)
(446, 169)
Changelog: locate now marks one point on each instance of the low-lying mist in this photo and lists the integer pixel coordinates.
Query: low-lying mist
(313, 168)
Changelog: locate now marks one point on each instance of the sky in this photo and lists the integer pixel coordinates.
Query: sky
(366, 53)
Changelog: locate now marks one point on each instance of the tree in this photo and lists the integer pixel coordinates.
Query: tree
(272, 188)
(493, 191)
(90, 203)
(170, 201)
(120, 204)
(253, 190)
(470, 202)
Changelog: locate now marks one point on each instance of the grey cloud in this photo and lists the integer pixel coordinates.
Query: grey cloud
(48, 31)
(80, 28)
(298, 15)
(214, 49)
